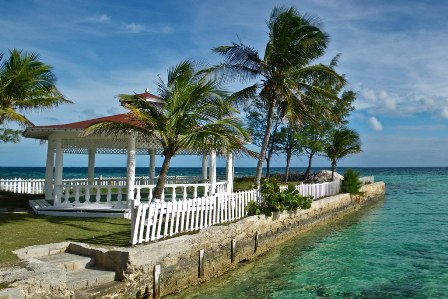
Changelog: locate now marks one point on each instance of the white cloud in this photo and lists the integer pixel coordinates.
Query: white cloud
(139, 28)
(375, 124)
(407, 104)
(103, 18)
(134, 28)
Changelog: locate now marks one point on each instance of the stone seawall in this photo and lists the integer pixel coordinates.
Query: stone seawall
(189, 259)
(252, 236)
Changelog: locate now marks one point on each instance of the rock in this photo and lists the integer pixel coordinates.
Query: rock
(322, 176)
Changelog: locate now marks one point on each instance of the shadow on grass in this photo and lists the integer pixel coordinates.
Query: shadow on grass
(115, 239)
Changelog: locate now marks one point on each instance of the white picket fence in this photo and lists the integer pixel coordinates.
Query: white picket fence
(37, 186)
(367, 180)
(154, 221)
(31, 186)
(318, 190)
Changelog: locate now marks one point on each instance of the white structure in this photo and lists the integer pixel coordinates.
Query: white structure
(113, 198)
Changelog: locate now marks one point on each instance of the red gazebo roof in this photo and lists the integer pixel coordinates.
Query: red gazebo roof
(122, 118)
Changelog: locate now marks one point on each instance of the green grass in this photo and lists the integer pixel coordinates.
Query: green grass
(18, 230)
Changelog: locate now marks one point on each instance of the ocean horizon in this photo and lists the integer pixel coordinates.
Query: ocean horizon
(29, 172)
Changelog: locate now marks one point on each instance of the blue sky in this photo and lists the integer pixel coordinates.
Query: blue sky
(393, 53)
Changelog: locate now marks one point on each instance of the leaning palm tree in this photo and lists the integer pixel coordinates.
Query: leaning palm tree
(26, 84)
(194, 116)
(286, 72)
(341, 143)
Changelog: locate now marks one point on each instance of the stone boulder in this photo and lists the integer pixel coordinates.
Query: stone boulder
(322, 176)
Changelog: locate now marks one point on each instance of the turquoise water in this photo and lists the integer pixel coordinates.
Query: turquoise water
(396, 248)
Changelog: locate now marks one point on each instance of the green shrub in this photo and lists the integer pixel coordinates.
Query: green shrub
(275, 200)
(351, 183)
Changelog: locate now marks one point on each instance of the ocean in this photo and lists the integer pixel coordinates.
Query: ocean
(396, 248)
(81, 172)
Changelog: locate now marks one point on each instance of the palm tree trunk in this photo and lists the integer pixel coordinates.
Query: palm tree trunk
(333, 169)
(162, 178)
(288, 161)
(308, 169)
(268, 171)
(264, 146)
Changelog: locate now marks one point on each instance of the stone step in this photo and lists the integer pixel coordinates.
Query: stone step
(111, 289)
(71, 262)
(88, 278)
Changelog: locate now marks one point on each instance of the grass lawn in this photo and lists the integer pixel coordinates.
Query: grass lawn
(19, 230)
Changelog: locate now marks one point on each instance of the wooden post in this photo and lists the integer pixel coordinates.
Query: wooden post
(156, 282)
(204, 167)
(49, 170)
(91, 168)
(58, 172)
(212, 173)
(257, 236)
(233, 250)
(152, 166)
(229, 170)
(130, 170)
(201, 264)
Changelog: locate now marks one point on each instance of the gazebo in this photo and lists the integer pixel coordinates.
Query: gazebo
(111, 197)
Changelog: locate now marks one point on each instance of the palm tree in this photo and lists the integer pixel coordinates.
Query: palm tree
(26, 84)
(342, 142)
(285, 71)
(194, 116)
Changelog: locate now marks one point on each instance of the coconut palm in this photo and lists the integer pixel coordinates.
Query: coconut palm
(26, 84)
(341, 143)
(286, 73)
(194, 115)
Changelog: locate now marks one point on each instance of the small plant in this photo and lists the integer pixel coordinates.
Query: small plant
(275, 200)
(351, 182)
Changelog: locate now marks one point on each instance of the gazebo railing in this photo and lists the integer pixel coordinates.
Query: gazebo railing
(72, 195)
(180, 191)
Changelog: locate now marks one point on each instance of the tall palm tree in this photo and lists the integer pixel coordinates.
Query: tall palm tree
(286, 73)
(26, 84)
(341, 143)
(194, 115)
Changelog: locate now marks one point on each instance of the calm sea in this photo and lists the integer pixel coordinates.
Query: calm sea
(396, 248)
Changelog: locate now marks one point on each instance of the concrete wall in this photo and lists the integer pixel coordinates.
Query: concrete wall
(179, 257)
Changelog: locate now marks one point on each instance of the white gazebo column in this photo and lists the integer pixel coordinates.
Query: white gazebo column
(58, 171)
(229, 172)
(49, 170)
(212, 173)
(152, 166)
(91, 169)
(130, 170)
(204, 167)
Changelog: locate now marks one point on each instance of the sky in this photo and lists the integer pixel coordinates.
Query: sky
(393, 55)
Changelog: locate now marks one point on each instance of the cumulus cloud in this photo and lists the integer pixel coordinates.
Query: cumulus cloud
(375, 124)
(387, 103)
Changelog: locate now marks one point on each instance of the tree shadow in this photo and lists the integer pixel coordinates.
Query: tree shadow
(120, 239)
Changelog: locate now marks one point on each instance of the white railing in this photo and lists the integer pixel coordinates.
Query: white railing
(90, 196)
(37, 186)
(179, 191)
(367, 180)
(68, 195)
(17, 185)
(154, 221)
(317, 190)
